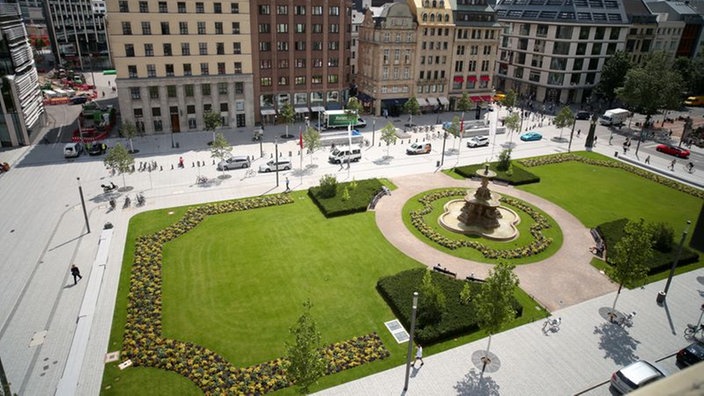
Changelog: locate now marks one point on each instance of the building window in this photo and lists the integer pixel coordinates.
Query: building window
(300, 46)
(203, 48)
(171, 91)
(135, 93)
(200, 9)
(234, 8)
(183, 27)
(283, 63)
(132, 71)
(220, 48)
(300, 62)
(221, 67)
(300, 80)
(333, 62)
(217, 8)
(300, 28)
(218, 28)
(317, 10)
(281, 28)
(235, 28)
(129, 50)
(148, 50)
(317, 62)
(146, 28)
(283, 80)
(282, 45)
(236, 48)
(153, 92)
(169, 68)
(205, 89)
(124, 7)
(239, 88)
(167, 49)
(299, 10)
(317, 28)
(264, 46)
(264, 9)
(185, 48)
(151, 71)
(317, 46)
(181, 7)
(334, 10)
(204, 69)
(222, 88)
(332, 78)
(163, 8)
(165, 28)
(317, 79)
(334, 28)
(201, 27)
(265, 81)
(264, 28)
(126, 28)
(188, 90)
(282, 10)
(187, 69)
(238, 67)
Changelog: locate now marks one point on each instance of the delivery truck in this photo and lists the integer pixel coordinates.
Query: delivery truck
(333, 119)
(614, 117)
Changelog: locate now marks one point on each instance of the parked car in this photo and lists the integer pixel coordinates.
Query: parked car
(636, 375)
(79, 99)
(673, 150)
(478, 141)
(583, 115)
(72, 150)
(693, 353)
(96, 148)
(531, 136)
(360, 123)
(273, 165)
(234, 162)
(419, 148)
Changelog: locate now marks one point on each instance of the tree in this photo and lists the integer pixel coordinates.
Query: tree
(465, 294)
(512, 122)
(510, 99)
(464, 104)
(492, 304)
(432, 301)
(287, 114)
(119, 160)
(311, 141)
(504, 160)
(388, 136)
(564, 119)
(353, 104)
(630, 255)
(305, 362)
(613, 74)
(454, 129)
(212, 121)
(412, 108)
(128, 130)
(220, 149)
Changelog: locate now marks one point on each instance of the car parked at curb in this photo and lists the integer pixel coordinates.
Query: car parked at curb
(583, 115)
(673, 150)
(72, 150)
(636, 375)
(531, 136)
(273, 166)
(234, 162)
(478, 141)
(419, 148)
(691, 354)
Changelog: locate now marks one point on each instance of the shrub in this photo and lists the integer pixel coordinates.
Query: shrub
(358, 201)
(465, 294)
(515, 175)
(328, 186)
(345, 194)
(432, 302)
(504, 160)
(663, 237)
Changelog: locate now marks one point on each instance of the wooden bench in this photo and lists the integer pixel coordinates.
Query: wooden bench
(600, 246)
(445, 271)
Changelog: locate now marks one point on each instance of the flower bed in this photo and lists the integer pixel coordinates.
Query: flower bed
(539, 244)
(143, 342)
(558, 158)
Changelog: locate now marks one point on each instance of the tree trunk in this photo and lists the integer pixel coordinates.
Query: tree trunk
(618, 293)
(131, 147)
(124, 183)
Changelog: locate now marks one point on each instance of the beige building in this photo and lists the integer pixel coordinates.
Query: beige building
(176, 60)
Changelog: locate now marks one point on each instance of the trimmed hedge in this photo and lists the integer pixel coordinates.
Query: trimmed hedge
(517, 177)
(360, 197)
(612, 232)
(457, 319)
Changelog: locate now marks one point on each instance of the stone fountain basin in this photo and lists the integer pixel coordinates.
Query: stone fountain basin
(506, 231)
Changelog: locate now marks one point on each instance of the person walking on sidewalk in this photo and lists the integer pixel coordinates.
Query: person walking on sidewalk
(647, 160)
(287, 187)
(76, 274)
(672, 165)
(419, 355)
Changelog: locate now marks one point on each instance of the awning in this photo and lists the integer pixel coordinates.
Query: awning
(476, 98)
(485, 78)
(443, 101)
(268, 111)
(422, 102)
(301, 109)
(472, 78)
(459, 79)
(486, 98)
(317, 109)
(432, 101)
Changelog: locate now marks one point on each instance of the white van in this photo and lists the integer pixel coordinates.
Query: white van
(72, 150)
(345, 154)
(273, 166)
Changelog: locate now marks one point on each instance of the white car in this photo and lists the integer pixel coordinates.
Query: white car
(478, 141)
(273, 166)
(636, 375)
(419, 148)
(72, 150)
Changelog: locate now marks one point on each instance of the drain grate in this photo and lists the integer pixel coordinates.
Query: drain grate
(396, 330)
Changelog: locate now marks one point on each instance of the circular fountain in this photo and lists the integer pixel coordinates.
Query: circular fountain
(481, 213)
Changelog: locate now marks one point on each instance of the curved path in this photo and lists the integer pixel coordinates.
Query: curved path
(564, 279)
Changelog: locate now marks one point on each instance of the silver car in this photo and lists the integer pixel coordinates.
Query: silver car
(636, 375)
(234, 162)
(478, 141)
(273, 166)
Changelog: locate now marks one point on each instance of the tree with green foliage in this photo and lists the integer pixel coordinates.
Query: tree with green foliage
(466, 294)
(692, 73)
(128, 130)
(504, 163)
(454, 129)
(119, 160)
(564, 119)
(630, 256)
(212, 121)
(492, 304)
(464, 103)
(432, 301)
(412, 108)
(353, 104)
(512, 122)
(305, 360)
(510, 99)
(388, 136)
(663, 237)
(287, 114)
(613, 73)
(220, 149)
(328, 186)
(311, 141)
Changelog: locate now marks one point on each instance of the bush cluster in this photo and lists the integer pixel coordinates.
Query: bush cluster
(514, 175)
(538, 245)
(457, 318)
(144, 344)
(359, 195)
(558, 158)
(663, 256)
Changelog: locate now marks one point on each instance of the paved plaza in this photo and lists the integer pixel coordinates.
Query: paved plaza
(43, 232)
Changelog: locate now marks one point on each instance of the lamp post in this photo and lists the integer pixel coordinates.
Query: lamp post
(373, 129)
(83, 203)
(663, 294)
(444, 139)
(276, 159)
(569, 145)
(410, 340)
(589, 142)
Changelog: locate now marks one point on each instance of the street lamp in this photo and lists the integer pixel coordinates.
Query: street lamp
(373, 129)
(83, 203)
(589, 142)
(410, 340)
(276, 159)
(663, 294)
(444, 139)
(569, 145)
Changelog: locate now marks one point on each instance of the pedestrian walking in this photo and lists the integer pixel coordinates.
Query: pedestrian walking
(647, 160)
(594, 142)
(610, 139)
(690, 167)
(672, 165)
(578, 132)
(76, 274)
(287, 188)
(419, 355)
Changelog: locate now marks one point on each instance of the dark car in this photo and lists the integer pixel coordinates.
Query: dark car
(582, 115)
(96, 148)
(673, 150)
(79, 99)
(692, 354)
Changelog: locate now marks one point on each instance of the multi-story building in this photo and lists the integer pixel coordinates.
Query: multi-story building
(77, 30)
(301, 56)
(21, 107)
(680, 21)
(554, 50)
(176, 60)
(641, 32)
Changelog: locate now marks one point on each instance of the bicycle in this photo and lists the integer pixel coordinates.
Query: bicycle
(692, 330)
(201, 180)
(250, 173)
(552, 324)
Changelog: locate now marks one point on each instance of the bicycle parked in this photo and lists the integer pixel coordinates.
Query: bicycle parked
(201, 180)
(692, 330)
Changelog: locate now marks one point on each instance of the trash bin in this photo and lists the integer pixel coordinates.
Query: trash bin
(616, 154)
(437, 164)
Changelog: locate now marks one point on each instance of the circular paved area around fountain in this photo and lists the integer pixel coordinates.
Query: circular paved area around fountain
(566, 278)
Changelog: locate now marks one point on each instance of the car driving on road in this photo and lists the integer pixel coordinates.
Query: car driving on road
(531, 136)
(478, 141)
(636, 375)
(419, 148)
(673, 150)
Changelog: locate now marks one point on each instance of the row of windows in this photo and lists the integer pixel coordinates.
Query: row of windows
(187, 70)
(474, 49)
(298, 80)
(434, 45)
(565, 47)
(566, 32)
(471, 66)
(298, 63)
(298, 28)
(299, 98)
(265, 46)
(188, 90)
(165, 28)
(430, 88)
(281, 9)
(386, 59)
(167, 49)
(163, 7)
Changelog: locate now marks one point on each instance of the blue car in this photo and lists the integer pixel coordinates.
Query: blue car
(531, 136)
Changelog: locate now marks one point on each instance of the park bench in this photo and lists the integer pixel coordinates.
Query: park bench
(600, 246)
(444, 271)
